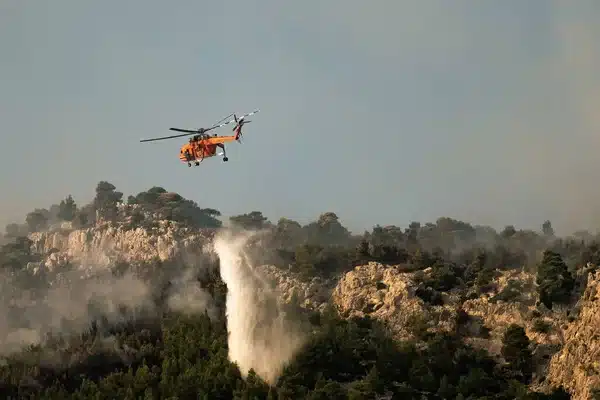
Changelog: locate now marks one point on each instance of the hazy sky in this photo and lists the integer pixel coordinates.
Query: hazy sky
(383, 111)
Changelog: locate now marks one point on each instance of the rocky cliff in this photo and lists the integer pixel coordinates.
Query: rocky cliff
(384, 293)
(577, 365)
(110, 243)
(567, 352)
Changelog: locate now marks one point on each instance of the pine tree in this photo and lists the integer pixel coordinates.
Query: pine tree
(554, 281)
(515, 350)
(67, 209)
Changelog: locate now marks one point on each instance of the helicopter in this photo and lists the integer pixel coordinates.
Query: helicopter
(202, 145)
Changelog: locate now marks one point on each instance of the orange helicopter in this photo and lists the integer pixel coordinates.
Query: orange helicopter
(202, 145)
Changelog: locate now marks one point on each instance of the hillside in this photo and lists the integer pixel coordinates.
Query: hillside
(132, 297)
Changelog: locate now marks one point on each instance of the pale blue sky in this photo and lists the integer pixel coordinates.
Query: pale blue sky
(383, 111)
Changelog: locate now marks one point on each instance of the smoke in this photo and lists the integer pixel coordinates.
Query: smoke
(36, 303)
(68, 306)
(187, 296)
(260, 336)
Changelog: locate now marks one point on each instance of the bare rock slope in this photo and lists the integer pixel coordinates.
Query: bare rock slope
(382, 293)
(577, 365)
(109, 243)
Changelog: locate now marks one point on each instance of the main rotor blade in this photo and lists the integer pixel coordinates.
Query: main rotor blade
(251, 113)
(218, 124)
(166, 137)
(240, 117)
(222, 119)
(183, 130)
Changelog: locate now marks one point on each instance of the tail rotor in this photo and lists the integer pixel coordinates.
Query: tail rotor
(240, 122)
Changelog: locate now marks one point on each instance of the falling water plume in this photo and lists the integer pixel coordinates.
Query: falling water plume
(260, 337)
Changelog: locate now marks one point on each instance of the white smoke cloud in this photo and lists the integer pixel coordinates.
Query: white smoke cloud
(187, 296)
(67, 307)
(260, 336)
(66, 302)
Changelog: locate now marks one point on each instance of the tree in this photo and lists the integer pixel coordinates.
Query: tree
(131, 200)
(516, 352)
(508, 231)
(174, 207)
(288, 233)
(547, 229)
(16, 254)
(53, 213)
(590, 254)
(106, 200)
(443, 277)
(390, 235)
(254, 220)
(37, 220)
(13, 230)
(188, 212)
(327, 230)
(148, 198)
(326, 389)
(452, 230)
(554, 281)
(67, 209)
(412, 232)
(85, 216)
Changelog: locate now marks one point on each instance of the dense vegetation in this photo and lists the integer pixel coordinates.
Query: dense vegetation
(175, 356)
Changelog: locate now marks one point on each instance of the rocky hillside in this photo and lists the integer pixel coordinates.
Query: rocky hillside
(566, 350)
(577, 365)
(527, 299)
(107, 244)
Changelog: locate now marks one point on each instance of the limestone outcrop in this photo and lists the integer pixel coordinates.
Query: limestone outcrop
(577, 365)
(109, 243)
